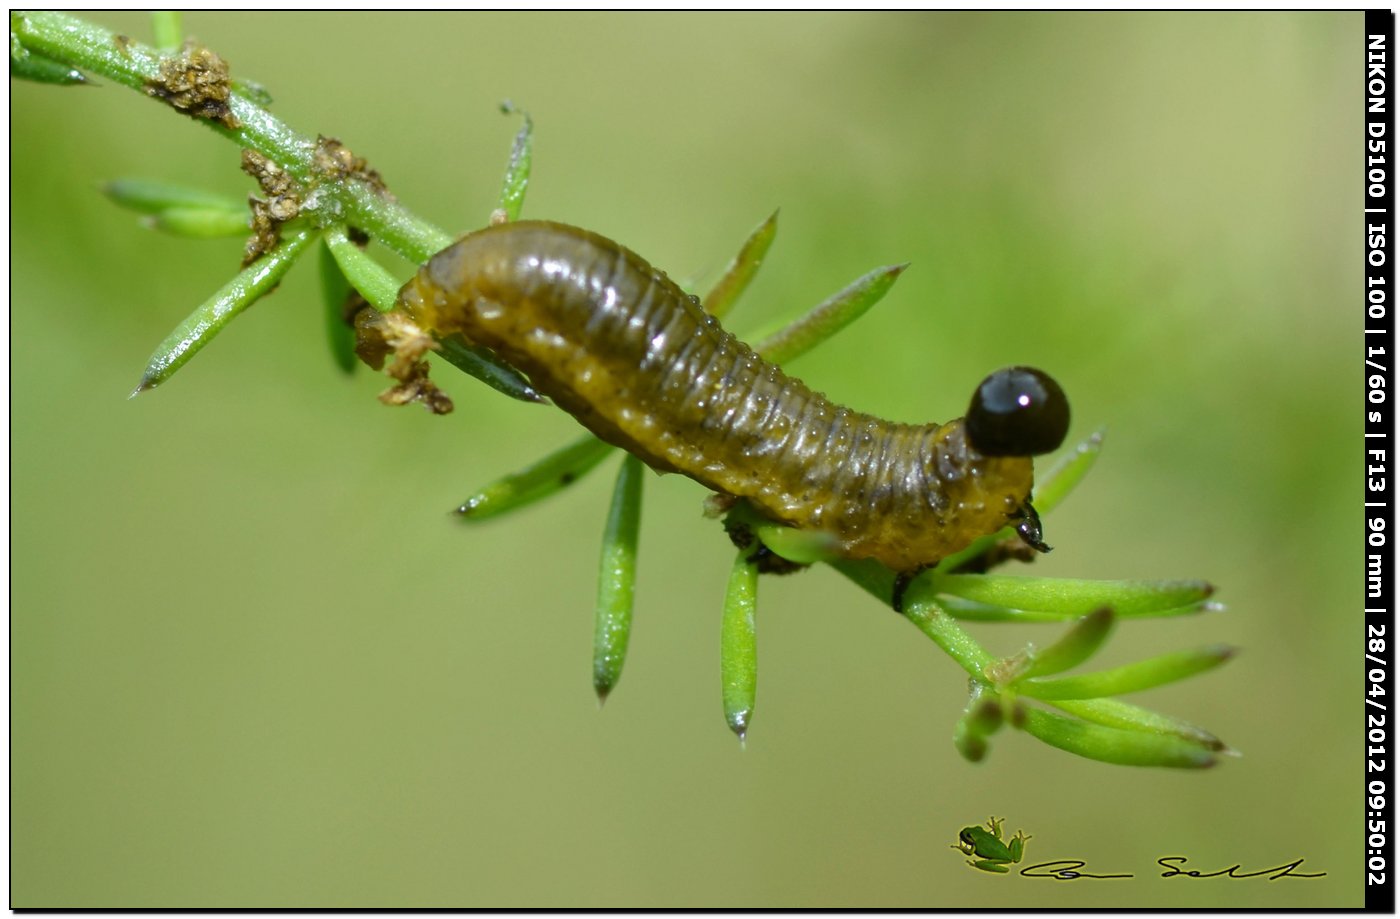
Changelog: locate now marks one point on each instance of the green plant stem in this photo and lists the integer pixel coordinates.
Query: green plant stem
(924, 613)
(97, 50)
(390, 223)
(375, 284)
(167, 29)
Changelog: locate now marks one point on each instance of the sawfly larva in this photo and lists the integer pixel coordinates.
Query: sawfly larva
(639, 362)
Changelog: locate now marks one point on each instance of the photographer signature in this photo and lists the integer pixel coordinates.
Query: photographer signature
(1068, 869)
(989, 850)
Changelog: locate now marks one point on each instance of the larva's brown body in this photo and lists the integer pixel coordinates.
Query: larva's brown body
(639, 363)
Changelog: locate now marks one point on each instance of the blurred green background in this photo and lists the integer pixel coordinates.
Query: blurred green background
(256, 664)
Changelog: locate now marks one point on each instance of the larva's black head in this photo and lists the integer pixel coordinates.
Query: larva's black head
(1018, 411)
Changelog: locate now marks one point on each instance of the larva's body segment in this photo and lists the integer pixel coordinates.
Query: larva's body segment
(638, 362)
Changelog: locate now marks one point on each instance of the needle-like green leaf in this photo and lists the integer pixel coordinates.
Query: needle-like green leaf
(1066, 472)
(972, 611)
(151, 196)
(201, 326)
(517, 178)
(1075, 647)
(180, 210)
(200, 223)
(1113, 745)
(556, 471)
(482, 364)
(737, 275)
(738, 645)
(830, 316)
(617, 578)
(335, 290)
(1116, 713)
(1067, 595)
(1135, 677)
(366, 275)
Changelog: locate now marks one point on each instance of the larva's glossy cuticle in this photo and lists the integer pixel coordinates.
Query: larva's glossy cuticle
(639, 363)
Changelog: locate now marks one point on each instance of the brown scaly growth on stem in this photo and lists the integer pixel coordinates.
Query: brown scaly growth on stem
(333, 160)
(196, 82)
(283, 202)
